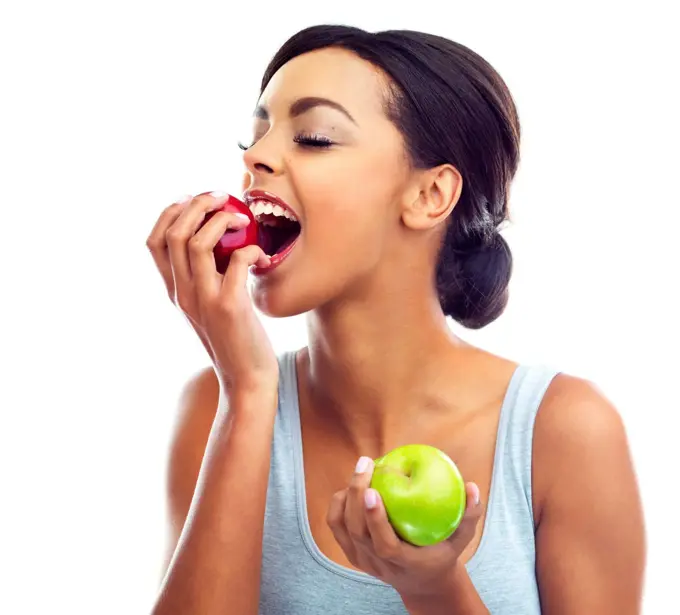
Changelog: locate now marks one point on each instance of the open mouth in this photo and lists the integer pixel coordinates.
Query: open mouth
(278, 227)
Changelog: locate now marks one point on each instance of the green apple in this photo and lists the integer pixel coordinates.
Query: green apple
(423, 492)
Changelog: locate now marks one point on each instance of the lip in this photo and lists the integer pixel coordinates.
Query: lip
(277, 259)
(250, 196)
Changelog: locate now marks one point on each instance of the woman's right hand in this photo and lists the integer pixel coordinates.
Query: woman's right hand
(218, 306)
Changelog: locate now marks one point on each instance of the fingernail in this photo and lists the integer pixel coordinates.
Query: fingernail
(475, 496)
(219, 195)
(371, 498)
(241, 216)
(362, 465)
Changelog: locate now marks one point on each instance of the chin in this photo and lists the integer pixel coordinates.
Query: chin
(277, 301)
(283, 299)
(283, 296)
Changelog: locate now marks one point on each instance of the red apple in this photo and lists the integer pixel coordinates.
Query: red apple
(234, 239)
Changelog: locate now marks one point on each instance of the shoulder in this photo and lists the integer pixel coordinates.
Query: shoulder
(576, 411)
(196, 411)
(573, 407)
(201, 388)
(578, 431)
(590, 537)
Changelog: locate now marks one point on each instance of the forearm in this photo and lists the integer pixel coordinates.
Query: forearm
(216, 566)
(458, 597)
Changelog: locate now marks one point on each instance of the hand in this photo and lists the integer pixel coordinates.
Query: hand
(359, 523)
(217, 306)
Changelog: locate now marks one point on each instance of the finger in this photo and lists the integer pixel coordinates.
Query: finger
(386, 543)
(183, 228)
(167, 217)
(355, 511)
(202, 245)
(240, 261)
(473, 512)
(336, 522)
(157, 243)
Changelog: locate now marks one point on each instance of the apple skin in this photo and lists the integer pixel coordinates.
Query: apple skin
(236, 239)
(423, 493)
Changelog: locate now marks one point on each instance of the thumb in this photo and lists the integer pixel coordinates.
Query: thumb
(240, 261)
(473, 500)
(473, 512)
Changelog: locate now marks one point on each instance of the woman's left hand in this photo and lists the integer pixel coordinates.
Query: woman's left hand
(358, 520)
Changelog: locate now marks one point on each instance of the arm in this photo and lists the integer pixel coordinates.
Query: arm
(197, 407)
(461, 598)
(590, 544)
(215, 567)
(590, 547)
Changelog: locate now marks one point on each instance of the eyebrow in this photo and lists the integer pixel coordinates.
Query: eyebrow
(302, 105)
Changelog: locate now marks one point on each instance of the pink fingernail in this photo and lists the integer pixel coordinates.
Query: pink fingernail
(362, 465)
(475, 497)
(220, 198)
(371, 498)
(241, 216)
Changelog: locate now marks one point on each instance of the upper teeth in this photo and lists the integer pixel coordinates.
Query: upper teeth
(265, 207)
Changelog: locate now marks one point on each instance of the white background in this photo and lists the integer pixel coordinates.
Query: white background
(112, 110)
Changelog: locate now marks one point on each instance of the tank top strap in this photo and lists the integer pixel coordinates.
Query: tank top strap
(287, 385)
(512, 465)
(298, 578)
(514, 451)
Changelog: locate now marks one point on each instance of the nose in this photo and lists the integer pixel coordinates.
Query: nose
(262, 158)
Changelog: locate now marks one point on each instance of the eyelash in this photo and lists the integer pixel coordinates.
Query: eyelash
(304, 140)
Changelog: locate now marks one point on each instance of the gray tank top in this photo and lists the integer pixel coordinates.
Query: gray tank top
(298, 579)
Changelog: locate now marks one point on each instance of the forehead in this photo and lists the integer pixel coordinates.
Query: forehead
(337, 74)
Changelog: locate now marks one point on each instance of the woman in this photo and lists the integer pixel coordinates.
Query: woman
(391, 156)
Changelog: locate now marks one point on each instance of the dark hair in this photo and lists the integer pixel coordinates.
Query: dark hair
(451, 107)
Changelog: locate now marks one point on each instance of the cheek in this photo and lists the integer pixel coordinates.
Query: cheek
(345, 232)
(350, 203)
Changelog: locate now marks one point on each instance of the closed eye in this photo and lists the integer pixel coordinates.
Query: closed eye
(304, 140)
(313, 140)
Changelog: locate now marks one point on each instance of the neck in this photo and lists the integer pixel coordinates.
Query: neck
(371, 367)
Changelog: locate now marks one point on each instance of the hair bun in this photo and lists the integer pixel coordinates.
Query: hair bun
(476, 293)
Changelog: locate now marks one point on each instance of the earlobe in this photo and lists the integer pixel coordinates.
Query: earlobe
(438, 191)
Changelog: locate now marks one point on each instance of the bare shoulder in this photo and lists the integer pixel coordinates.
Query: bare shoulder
(575, 409)
(577, 430)
(590, 537)
(584, 479)
(576, 415)
(197, 403)
(196, 411)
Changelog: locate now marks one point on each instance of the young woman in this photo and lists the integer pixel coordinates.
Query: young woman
(390, 156)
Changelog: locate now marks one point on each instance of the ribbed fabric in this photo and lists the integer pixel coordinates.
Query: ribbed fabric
(298, 579)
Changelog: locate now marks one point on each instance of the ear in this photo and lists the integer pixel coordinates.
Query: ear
(432, 197)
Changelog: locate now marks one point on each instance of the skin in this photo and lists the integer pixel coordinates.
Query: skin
(382, 368)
